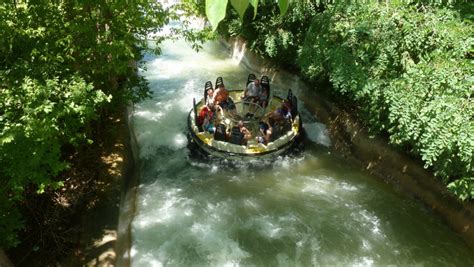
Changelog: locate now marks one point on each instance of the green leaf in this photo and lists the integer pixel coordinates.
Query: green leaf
(41, 188)
(254, 3)
(240, 6)
(215, 11)
(7, 138)
(283, 4)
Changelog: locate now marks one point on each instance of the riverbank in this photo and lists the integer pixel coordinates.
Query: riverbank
(352, 140)
(77, 224)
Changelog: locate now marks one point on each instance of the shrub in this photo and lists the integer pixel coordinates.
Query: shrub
(409, 69)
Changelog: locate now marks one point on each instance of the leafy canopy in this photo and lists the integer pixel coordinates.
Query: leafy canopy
(62, 66)
(216, 9)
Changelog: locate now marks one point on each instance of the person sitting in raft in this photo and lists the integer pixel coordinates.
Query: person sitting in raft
(247, 134)
(210, 97)
(276, 130)
(240, 134)
(221, 98)
(210, 112)
(265, 131)
(221, 133)
(263, 98)
(282, 114)
(270, 131)
(208, 124)
(252, 91)
(202, 115)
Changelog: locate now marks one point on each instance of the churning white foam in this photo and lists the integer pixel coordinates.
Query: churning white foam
(317, 133)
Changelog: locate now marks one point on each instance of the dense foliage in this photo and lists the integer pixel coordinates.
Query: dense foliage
(191, 28)
(409, 69)
(61, 66)
(270, 34)
(216, 9)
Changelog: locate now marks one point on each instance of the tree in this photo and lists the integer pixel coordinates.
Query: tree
(61, 65)
(216, 9)
(407, 69)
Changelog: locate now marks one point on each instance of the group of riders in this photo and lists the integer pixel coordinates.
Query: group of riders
(257, 93)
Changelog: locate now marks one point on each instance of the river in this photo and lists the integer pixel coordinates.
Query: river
(313, 209)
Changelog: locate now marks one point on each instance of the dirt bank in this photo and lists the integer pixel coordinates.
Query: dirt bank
(77, 225)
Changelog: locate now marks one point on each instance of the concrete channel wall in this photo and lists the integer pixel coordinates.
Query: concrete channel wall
(128, 198)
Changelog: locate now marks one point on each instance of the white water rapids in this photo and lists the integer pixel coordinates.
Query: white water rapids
(310, 210)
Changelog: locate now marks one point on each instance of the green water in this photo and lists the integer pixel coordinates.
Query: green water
(313, 209)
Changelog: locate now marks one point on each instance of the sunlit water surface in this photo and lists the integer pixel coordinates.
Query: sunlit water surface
(308, 210)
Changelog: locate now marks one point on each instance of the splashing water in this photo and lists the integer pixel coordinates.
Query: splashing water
(308, 210)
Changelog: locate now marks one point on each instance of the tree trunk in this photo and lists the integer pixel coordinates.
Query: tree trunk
(4, 260)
